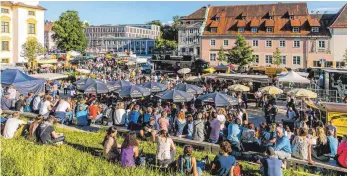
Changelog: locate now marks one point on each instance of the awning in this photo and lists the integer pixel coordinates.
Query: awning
(49, 76)
(47, 61)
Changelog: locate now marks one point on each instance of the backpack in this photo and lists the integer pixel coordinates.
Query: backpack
(342, 158)
(237, 170)
(185, 165)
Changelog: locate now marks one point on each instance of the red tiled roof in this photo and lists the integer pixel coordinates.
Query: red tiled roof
(269, 23)
(340, 20)
(241, 24)
(197, 15)
(48, 26)
(295, 23)
(214, 24)
(20, 4)
(255, 23)
(314, 22)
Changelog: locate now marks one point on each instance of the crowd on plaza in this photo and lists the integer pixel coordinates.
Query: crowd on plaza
(230, 127)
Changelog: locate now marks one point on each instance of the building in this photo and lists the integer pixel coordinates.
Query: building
(49, 42)
(190, 31)
(338, 30)
(19, 21)
(138, 38)
(301, 38)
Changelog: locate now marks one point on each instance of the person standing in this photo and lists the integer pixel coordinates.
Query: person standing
(12, 95)
(19, 103)
(5, 102)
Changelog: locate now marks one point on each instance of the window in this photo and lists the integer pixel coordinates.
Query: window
(5, 60)
(271, 17)
(191, 30)
(3, 10)
(31, 28)
(316, 63)
(213, 56)
(296, 60)
(269, 29)
(226, 42)
(282, 43)
(268, 59)
(4, 27)
(268, 43)
(190, 39)
(255, 43)
(183, 50)
(191, 50)
(243, 17)
(254, 30)
(295, 29)
(5, 46)
(213, 42)
(241, 29)
(321, 44)
(284, 60)
(213, 29)
(256, 58)
(217, 18)
(291, 17)
(315, 29)
(296, 44)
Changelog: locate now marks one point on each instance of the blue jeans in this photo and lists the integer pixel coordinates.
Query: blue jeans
(200, 166)
(55, 92)
(213, 141)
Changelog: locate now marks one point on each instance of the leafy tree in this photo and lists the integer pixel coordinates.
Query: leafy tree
(163, 45)
(31, 49)
(155, 22)
(241, 53)
(221, 54)
(345, 57)
(169, 32)
(276, 57)
(69, 33)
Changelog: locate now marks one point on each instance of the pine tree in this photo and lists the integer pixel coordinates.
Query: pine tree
(221, 55)
(276, 57)
(241, 53)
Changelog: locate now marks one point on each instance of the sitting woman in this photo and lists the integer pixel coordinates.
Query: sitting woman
(33, 126)
(149, 128)
(248, 139)
(166, 149)
(322, 146)
(224, 164)
(187, 164)
(111, 147)
(130, 150)
(301, 147)
(180, 123)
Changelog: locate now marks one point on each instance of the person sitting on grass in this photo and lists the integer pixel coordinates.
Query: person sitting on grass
(46, 133)
(111, 147)
(33, 127)
(12, 125)
(187, 164)
(130, 150)
(223, 164)
(270, 165)
(149, 128)
(166, 149)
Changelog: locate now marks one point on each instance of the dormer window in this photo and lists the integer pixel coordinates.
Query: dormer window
(241, 29)
(296, 29)
(254, 30)
(217, 18)
(243, 17)
(291, 17)
(269, 29)
(213, 29)
(315, 29)
(271, 17)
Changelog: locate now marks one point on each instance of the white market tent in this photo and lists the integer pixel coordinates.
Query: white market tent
(293, 77)
(49, 76)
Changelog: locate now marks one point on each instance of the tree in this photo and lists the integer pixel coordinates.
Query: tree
(69, 33)
(155, 22)
(163, 45)
(345, 57)
(31, 49)
(276, 57)
(241, 53)
(169, 32)
(221, 55)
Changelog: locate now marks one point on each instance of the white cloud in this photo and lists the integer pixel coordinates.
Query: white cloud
(323, 9)
(169, 23)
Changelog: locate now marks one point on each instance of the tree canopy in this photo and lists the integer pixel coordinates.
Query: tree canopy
(31, 49)
(69, 32)
(169, 32)
(241, 53)
(221, 55)
(276, 57)
(163, 45)
(345, 57)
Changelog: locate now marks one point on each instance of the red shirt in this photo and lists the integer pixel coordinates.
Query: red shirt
(93, 111)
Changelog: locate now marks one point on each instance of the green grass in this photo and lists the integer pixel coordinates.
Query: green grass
(80, 156)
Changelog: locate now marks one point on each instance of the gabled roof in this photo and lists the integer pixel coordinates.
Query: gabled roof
(214, 24)
(20, 4)
(295, 23)
(48, 26)
(269, 23)
(313, 22)
(197, 15)
(255, 23)
(241, 24)
(340, 20)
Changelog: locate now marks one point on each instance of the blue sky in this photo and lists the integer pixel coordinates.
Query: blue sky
(139, 12)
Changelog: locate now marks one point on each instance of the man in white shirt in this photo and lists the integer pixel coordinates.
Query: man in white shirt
(12, 94)
(64, 109)
(12, 125)
(36, 102)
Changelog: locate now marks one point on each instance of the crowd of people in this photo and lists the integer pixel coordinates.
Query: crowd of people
(308, 138)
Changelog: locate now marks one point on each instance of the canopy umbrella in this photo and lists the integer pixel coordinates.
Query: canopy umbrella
(193, 89)
(119, 84)
(95, 87)
(239, 88)
(271, 90)
(82, 82)
(46, 65)
(154, 86)
(219, 99)
(193, 79)
(293, 77)
(183, 70)
(84, 71)
(221, 67)
(175, 96)
(302, 93)
(134, 91)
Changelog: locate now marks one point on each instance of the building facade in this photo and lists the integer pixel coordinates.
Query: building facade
(49, 42)
(301, 38)
(190, 31)
(138, 38)
(19, 21)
